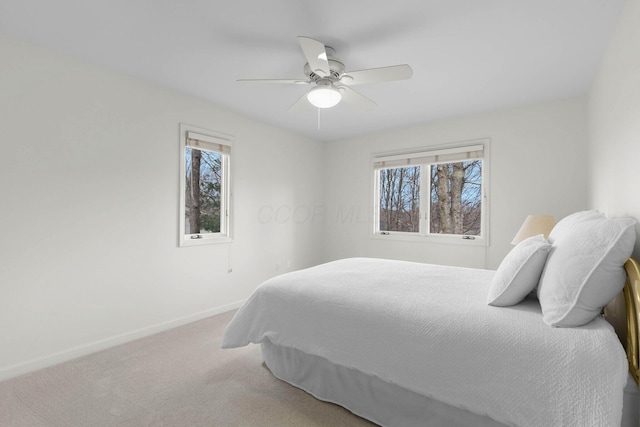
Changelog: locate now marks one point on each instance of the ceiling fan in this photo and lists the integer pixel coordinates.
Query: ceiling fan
(330, 80)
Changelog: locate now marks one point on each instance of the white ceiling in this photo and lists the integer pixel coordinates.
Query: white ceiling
(467, 55)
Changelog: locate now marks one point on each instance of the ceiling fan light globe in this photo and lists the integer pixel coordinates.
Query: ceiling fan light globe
(324, 96)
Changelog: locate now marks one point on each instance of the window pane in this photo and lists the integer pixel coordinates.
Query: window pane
(203, 191)
(456, 198)
(400, 199)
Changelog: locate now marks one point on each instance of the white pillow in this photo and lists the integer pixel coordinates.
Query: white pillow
(585, 267)
(567, 222)
(519, 272)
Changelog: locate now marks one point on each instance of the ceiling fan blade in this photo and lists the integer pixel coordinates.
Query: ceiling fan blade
(300, 103)
(315, 54)
(356, 99)
(375, 75)
(283, 81)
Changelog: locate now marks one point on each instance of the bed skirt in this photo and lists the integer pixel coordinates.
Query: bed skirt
(366, 396)
(383, 403)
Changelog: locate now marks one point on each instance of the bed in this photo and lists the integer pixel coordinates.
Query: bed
(412, 344)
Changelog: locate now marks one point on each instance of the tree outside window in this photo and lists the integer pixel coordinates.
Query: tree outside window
(456, 198)
(203, 183)
(400, 199)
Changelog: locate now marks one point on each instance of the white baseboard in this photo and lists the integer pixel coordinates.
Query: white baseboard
(82, 350)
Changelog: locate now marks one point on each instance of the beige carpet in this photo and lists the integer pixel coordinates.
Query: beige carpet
(176, 378)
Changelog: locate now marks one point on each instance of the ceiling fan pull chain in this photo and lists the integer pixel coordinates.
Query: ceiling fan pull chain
(318, 119)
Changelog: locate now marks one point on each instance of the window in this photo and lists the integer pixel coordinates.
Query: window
(438, 194)
(204, 186)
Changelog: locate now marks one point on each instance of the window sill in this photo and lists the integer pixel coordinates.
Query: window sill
(436, 239)
(185, 241)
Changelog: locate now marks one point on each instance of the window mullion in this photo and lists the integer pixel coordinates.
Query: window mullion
(425, 198)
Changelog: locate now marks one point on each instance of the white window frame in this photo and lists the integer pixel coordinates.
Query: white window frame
(219, 143)
(424, 157)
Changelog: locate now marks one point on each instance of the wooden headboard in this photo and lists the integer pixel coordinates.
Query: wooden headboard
(624, 312)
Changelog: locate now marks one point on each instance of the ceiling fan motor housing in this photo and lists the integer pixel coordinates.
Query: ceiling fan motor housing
(336, 68)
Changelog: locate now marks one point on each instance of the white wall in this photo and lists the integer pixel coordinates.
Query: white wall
(538, 164)
(614, 123)
(89, 209)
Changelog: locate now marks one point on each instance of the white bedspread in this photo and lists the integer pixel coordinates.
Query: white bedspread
(428, 328)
